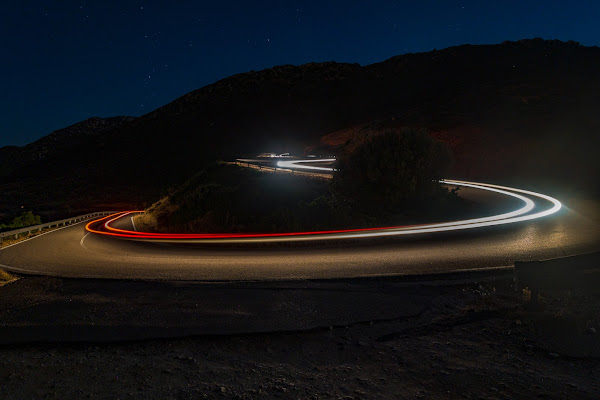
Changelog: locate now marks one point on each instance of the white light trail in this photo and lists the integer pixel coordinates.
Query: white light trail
(494, 220)
(519, 215)
(294, 164)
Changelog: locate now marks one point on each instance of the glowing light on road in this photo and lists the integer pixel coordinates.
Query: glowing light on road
(518, 215)
(295, 164)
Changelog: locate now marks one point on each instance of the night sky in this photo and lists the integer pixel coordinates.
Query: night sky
(66, 61)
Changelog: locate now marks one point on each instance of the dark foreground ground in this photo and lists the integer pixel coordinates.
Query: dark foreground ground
(352, 339)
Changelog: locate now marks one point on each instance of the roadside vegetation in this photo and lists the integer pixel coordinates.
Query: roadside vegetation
(25, 219)
(6, 278)
(227, 198)
(391, 179)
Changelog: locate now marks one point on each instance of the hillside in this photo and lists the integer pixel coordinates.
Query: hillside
(513, 110)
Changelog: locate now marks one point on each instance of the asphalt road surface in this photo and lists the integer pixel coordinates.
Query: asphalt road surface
(73, 252)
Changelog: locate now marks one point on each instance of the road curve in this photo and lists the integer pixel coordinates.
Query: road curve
(532, 208)
(74, 252)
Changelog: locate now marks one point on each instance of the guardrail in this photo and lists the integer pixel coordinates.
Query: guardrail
(280, 169)
(37, 228)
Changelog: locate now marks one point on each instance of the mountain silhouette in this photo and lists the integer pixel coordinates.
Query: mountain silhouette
(515, 111)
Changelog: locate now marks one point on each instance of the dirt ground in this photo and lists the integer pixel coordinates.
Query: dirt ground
(442, 340)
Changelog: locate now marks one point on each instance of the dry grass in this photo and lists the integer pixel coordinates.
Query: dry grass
(145, 222)
(6, 278)
(7, 241)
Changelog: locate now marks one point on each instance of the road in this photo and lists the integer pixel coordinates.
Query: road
(73, 252)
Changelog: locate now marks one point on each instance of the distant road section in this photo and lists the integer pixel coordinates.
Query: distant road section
(308, 165)
(288, 166)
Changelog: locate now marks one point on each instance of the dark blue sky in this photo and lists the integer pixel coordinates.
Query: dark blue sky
(65, 61)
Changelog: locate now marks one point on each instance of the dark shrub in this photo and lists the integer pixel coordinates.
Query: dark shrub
(394, 169)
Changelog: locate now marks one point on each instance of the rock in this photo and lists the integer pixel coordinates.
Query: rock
(554, 355)
(518, 322)
(591, 330)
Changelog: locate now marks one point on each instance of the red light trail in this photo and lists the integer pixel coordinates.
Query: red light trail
(521, 214)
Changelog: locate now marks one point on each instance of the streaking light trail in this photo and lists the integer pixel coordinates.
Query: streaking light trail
(298, 164)
(524, 213)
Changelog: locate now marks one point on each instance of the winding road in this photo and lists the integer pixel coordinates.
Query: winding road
(537, 228)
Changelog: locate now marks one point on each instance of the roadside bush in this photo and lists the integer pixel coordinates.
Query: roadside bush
(394, 169)
(23, 220)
